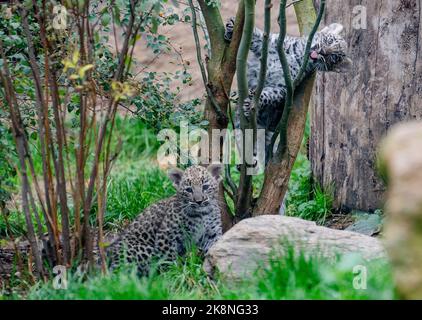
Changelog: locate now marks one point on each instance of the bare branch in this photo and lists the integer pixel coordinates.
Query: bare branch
(264, 55)
(309, 44)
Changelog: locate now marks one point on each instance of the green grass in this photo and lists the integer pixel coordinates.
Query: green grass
(138, 141)
(306, 200)
(128, 194)
(16, 223)
(292, 276)
(136, 182)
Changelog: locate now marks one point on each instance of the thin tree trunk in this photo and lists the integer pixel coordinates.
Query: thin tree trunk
(244, 196)
(277, 175)
(19, 136)
(292, 125)
(221, 67)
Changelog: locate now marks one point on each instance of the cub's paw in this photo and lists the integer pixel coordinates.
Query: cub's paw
(228, 34)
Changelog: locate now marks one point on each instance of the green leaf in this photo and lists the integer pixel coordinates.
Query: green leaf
(155, 24)
(105, 19)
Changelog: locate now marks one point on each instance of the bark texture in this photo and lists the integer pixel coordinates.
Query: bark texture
(353, 111)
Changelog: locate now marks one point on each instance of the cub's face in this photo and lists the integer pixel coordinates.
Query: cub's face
(329, 50)
(197, 185)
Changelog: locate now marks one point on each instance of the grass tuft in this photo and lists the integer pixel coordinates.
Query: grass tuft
(287, 276)
(306, 200)
(129, 195)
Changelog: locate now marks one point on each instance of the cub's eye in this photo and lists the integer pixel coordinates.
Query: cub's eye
(189, 189)
(205, 187)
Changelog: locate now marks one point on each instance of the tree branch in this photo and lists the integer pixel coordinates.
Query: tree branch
(264, 55)
(277, 174)
(282, 126)
(309, 44)
(244, 196)
(214, 102)
(215, 27)
(290, 85)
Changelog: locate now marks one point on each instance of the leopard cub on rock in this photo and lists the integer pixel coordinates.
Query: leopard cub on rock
(165, 229)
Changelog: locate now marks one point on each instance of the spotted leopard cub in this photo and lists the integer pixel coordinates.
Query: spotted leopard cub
(328, 54)
(165, 229)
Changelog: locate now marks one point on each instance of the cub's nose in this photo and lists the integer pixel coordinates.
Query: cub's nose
(197, 195)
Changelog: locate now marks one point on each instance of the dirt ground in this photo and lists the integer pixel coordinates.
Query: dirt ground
(181, 38)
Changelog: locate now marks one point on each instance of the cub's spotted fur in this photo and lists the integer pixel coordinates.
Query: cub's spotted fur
(328, 53)
(163, 230)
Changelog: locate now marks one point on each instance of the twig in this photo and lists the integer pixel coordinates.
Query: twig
(293, 3)
(230, 181)
(264, 55)
(281, 128)
(309, 44)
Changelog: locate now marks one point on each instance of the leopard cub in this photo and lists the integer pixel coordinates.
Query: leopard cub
(166, 228)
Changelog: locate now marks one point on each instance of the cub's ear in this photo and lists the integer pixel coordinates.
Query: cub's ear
(215, 170)
(335, 28)
(344, 66)
(175, 176)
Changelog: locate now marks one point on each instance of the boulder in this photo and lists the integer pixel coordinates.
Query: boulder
(250, 242)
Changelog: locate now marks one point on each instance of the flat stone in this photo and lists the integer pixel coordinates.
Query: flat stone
(366, 223)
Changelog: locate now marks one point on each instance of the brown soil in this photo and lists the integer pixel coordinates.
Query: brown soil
(339, 221)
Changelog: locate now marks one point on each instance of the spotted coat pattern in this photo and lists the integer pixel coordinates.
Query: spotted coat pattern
(165, 229)
(329, 54)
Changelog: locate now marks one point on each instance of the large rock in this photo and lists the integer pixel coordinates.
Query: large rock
(251, 241)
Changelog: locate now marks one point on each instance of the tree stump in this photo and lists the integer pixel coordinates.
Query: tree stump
(353, 111)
